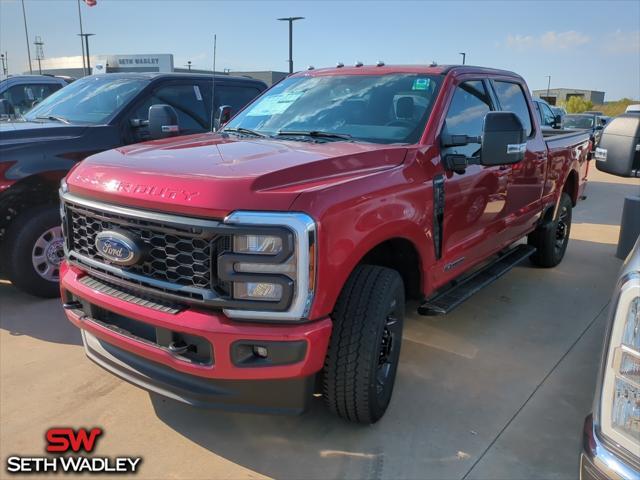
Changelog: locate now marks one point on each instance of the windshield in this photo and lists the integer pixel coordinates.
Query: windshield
(389, 108)
(578, 121)
(90, 100)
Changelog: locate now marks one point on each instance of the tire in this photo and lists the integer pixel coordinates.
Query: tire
(551, 240)
(33, 248)
(364, 350)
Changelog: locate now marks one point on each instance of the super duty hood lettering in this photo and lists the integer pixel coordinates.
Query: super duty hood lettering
(141, 189)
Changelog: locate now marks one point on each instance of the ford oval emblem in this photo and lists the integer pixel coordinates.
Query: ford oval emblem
(118, 247)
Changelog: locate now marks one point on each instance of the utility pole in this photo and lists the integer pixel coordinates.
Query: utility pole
(548, 85)
(290, 20)
(39, 52)
(5, 63)
(86, 48)
(84, 65)
(464, 57)
(26, 36)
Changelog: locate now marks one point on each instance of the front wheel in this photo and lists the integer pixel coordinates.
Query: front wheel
(361, 363)
(34, 250)
(551, 240)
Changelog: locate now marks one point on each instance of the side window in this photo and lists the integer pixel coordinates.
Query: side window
(235, 97)
(23, 97)
(512, 99)
(188, 102)
(548, 118)
(466, 114)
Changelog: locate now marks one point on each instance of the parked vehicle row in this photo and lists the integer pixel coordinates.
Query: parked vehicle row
(93, 114)
(20, 93)
(252, 267)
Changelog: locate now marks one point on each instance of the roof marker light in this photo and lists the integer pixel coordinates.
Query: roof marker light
(379, 63)
(339, 65)
(310, 67)
(359, 63)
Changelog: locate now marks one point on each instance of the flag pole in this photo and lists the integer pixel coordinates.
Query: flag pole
(26, 34)
(84, 68)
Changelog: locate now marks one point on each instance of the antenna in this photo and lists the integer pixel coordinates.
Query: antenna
(213, 85)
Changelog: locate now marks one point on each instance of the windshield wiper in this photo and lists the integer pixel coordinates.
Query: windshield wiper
(246, 131)
(314, 134)
(56, 118)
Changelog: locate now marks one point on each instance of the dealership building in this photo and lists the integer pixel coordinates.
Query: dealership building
(163, 62)
(556, 95)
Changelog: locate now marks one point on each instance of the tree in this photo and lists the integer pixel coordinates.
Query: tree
(577, 104)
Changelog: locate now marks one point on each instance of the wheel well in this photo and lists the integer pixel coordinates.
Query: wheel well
(26, 194)
(571, 186)
(400, 255)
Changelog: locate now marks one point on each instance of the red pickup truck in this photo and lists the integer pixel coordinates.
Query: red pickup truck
(255, 266)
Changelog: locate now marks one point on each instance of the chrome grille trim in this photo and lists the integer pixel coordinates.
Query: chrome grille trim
(121, 294)
(185, 283)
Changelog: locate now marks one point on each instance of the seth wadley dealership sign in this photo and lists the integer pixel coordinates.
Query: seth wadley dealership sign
(160, 62)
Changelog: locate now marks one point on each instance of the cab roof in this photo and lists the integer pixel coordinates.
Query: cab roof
(414, 69)
(177, 75)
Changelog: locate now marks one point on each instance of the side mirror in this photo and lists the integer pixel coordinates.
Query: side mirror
(557, 121)
(6, 107)
(223, 115)
(503, 139)
(618, 152)
(163, 122)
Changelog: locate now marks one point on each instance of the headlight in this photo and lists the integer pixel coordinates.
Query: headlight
(620, 398)
(271, 267)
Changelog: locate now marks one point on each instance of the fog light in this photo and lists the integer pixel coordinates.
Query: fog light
(257, 291)
(261, 352)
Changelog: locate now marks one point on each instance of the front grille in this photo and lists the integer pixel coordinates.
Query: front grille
(178, 254)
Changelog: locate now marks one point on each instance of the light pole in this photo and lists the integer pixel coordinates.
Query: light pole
(86, 49)
(290, 20)
(26, 34)
(548, 85)
(189, 65)
(464, 56)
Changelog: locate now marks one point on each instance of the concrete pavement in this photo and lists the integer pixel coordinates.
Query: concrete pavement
(497, 389)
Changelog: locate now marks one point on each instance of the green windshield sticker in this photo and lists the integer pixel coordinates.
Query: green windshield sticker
(420, 84)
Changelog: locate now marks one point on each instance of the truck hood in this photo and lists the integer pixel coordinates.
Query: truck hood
(15, 133)
(210, 175)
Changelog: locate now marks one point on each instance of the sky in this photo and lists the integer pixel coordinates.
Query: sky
(581, 44)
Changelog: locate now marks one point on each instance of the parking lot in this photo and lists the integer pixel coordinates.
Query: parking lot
(497, 389)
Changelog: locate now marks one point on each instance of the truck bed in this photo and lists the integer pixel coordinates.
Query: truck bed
(560, 138)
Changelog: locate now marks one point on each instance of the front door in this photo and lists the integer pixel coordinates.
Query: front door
(474, 200)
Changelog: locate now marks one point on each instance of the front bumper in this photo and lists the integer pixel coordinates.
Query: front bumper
(597, 462)
(225, 381)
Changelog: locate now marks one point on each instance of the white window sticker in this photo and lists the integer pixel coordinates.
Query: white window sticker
(274, 104)
(196, 89)
(29, 93)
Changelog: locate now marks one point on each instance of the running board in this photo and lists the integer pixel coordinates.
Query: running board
(443, 302)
